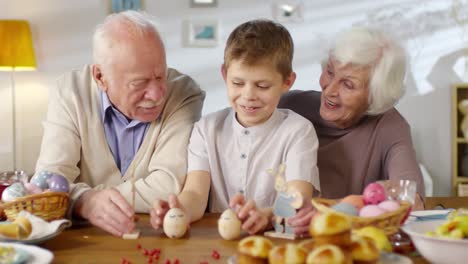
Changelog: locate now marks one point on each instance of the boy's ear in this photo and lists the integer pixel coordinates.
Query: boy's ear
(288, 83)
(223, 71)
(97, 76)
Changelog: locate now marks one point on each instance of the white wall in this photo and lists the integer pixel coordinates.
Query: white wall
(62, 37)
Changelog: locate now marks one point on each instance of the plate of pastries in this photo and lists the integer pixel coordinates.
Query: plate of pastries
(333, 241)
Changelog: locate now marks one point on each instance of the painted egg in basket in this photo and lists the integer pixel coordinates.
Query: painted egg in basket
(13, 192)
(58, 183)
(41, 179)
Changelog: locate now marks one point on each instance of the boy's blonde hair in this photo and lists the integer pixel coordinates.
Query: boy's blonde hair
(260, 39)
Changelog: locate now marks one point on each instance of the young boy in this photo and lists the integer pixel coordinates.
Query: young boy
(232, 149)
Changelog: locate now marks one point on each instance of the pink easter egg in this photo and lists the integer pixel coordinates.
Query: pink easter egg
(374, 193)
(389, 205)
(371, 210)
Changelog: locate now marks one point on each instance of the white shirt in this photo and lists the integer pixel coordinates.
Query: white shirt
(238, 158)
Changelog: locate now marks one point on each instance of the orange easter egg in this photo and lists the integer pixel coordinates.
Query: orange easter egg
(355, 200)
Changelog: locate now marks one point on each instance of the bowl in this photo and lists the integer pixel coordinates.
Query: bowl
(436, 249)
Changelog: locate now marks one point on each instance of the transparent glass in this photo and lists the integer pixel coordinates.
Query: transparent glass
(400, 190)
(9, 177)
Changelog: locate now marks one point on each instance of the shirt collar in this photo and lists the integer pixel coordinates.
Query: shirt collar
(261, 129)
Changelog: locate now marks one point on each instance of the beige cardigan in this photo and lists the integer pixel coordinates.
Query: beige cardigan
(75, 145)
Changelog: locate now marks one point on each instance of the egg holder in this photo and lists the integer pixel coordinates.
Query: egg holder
(47, 205)
(389, 222)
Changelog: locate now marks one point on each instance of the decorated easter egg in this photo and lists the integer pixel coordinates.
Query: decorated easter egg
(345, 208)
(58, 183)
(374, 193)
(175, 223)
(14, 191)
(355, 200)
(32, 189)
(40, 179)
(229, 226)
(389, 205)
(371, 210)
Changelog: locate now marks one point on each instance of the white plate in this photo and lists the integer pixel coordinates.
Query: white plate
(424, 215)
(385, 258)
(38, 240)
(36, 254)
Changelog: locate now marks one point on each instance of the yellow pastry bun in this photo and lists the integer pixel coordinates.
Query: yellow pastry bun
(287, 254)
(308, 245)
(254, 249)
(25, 227)
(19, 229)
(328, 254)
(331, 228)
(364, 250)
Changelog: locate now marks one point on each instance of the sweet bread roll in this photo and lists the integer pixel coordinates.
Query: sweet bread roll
(25, 227)
(331, 228)
(287, 254)
(254, 249)
(328, 254)
(19, 229)
(364, 250)
(308, 245)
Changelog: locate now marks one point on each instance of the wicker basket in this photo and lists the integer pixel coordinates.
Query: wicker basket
(389, 222)
(48, 205)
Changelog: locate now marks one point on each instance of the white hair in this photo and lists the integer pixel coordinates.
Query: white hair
(365, 47)
(137, 22)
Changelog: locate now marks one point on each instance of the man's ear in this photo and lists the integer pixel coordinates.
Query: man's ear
(223, 71)
(98, 77)
(288, 83)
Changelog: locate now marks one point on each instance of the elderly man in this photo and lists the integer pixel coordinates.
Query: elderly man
(125, 118)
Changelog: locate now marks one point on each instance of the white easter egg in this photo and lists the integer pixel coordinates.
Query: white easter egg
(229, 226)
(13, 192)
(175, 223)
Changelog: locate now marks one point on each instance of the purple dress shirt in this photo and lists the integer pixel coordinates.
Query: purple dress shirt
(124, 136)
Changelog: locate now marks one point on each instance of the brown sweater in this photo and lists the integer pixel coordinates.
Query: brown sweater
(376, 148)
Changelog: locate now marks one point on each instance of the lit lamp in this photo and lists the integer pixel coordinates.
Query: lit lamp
(16, 54)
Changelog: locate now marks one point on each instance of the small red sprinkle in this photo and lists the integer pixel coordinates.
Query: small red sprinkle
(176, 261)
(138, 246)
(168, 261)
(145, 252)
(215, 254)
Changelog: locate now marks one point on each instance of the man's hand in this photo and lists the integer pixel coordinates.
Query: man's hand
(253, 220)
(106, 209)
(160, 208)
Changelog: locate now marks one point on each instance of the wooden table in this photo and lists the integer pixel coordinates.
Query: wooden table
(88, 244)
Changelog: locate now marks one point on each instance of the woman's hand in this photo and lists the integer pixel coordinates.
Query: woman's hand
(253, 219)
(301, 220)
(160, 208)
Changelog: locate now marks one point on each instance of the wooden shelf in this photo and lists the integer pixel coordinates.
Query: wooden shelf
(459, 143)
(461, 179)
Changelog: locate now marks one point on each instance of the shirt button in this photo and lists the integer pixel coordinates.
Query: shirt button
(243, 156)
(246, 132)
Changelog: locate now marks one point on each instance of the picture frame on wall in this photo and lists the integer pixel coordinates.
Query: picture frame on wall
(116, 6)
(201, 33)
(203, 3)
(288, 11)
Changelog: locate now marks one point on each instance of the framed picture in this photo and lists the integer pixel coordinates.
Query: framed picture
(288, 11)
(116, 6)
(203, 3)
(201, 33)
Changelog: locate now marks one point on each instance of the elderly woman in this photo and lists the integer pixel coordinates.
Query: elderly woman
(362, 137)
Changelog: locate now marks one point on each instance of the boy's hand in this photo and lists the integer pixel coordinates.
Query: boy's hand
(253, 220)
(301, 220)
(160, 208)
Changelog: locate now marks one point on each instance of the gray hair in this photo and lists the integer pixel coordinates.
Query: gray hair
(137, 22)
(365, 47)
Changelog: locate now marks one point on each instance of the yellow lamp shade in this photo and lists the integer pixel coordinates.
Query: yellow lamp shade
(16, 48)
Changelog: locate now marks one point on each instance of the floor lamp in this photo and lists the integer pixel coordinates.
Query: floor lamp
(16, 54)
